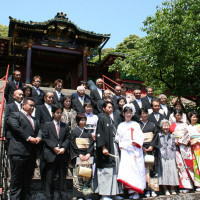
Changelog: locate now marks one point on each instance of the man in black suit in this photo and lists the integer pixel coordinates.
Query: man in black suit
(11, 86)
(56, 137)
(43, 112)
(106, 95)
(12, 107)
(22, 149)
(118, 92)
(75, 95)
(37, 93)
(115, 115)
(138, 102)
(57, 95)
(147, 99)
(155, 116)
(164, 108)
(78, 102)
(97, 94)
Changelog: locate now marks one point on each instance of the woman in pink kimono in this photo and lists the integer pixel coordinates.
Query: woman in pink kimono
(194, 131)
(131, 169)
(183, 153)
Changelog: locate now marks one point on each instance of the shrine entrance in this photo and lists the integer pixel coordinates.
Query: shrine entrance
(52, 65)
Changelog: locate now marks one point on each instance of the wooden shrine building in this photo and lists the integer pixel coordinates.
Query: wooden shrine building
(53, 49)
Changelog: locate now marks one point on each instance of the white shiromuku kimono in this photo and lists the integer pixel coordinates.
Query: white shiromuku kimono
(131, 169)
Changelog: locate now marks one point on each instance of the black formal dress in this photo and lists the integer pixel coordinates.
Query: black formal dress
(53, 161)
(39, 99)
(56, 101)
(22, 153)
(9, 90)
(151, 169)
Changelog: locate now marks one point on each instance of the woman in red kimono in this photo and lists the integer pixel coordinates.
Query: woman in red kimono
(183, 152)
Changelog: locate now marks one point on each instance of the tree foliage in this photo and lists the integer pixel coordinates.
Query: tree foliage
(128, 45)
(168, 58)
(3, 31)
(95, 54)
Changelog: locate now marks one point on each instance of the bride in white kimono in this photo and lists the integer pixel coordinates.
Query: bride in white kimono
(131, 169)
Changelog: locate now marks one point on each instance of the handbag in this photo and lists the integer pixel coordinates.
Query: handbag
(84, 171)
(149, 158)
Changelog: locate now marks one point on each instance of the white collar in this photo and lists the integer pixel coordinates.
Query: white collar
(47, 105)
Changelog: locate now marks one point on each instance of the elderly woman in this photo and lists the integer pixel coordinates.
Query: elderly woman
(69, 115)
(167, 171)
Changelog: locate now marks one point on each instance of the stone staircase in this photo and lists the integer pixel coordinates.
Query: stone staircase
(37, 187)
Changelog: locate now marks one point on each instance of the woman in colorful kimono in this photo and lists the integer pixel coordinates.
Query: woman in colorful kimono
(183, 152)
(150, 148)
(131, 169)
(81, 150)
(178, 105)
(194, 131)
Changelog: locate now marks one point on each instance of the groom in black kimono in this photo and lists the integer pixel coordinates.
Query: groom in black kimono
(106, 155)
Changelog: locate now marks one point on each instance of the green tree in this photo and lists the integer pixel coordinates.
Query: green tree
(128, 46)
(168, 57)
(95, 54)
(3, 31)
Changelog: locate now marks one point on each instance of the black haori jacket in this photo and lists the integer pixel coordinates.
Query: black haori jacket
(104, 137)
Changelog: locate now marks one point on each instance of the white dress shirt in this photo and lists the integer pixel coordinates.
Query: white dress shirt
(49, 108)
(139, 101)
(19, 105)
(164, 107)
(100, 92)
(58, 95)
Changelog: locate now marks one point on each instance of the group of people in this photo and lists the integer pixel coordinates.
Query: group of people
(113, 145)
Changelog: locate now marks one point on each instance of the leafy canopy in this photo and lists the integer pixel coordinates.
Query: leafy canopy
(3, 31)
(168, 57)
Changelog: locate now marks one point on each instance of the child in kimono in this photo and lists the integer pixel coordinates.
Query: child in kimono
(131, 169)
(81, 149)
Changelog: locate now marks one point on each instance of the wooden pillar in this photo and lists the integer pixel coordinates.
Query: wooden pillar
(84, 68)
(28, 65)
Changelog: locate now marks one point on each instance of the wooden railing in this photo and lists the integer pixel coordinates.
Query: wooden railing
(106, 85)
(3, 156)
(2, 102)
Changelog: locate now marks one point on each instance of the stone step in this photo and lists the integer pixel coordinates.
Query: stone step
(64, 91)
